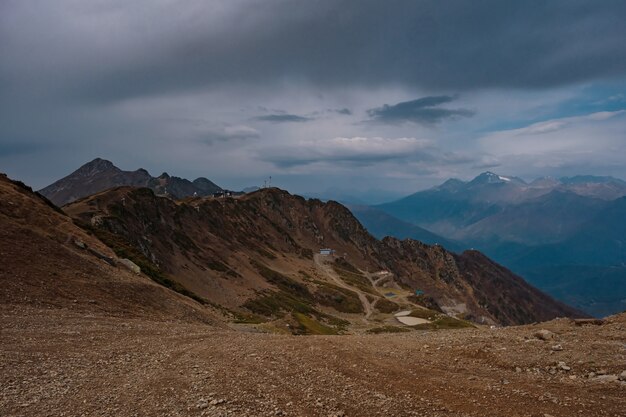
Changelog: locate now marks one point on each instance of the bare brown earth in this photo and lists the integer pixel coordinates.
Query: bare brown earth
(56, 362)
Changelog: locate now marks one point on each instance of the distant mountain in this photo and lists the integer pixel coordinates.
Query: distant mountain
(342, 198)
(600, 241)
(455, 205)
(536, 229)
(549, 218)
(607, 188)
(367, 197)
(381, 224)
(100, 174)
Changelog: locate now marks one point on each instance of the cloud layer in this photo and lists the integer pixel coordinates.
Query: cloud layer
(236, 90)
(423, 110)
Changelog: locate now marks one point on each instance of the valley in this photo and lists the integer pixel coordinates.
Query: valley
(563, 235)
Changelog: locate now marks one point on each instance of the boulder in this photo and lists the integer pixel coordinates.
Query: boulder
(130, 265)
(607, 378)
(544, 334)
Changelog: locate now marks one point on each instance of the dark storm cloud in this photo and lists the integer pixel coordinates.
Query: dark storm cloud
(433, 45)
(422, 110)
(282, 118)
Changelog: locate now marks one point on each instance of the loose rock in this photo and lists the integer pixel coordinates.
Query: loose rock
(544, 335)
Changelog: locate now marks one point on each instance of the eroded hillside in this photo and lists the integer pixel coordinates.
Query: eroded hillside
(48, 262)
(256, 256)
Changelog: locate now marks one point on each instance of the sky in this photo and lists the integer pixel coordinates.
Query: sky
(362, 98)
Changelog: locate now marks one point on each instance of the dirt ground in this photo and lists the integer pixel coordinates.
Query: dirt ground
(55, 362)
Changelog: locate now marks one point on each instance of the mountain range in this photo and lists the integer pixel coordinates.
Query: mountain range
(537, 229)
(87, 331)
(258, 254)
(256, 258)
(100, 174)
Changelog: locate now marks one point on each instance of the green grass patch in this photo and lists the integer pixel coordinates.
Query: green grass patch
(385, 306)
(247, 318)
(388, 329)
(340, 324)
(357, 279)
(308, 325)
(438, 320)
(276, 303)
(424, 313)
(340, 299)
(282, 281)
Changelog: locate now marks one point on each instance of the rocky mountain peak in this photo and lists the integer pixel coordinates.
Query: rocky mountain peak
(96, 166)
(489, 177)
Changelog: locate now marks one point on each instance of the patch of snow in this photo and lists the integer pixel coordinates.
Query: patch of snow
(411, 321)
(504, 178)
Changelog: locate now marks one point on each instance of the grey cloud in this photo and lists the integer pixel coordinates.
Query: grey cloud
(486, 165)
(230, 133)
(282, 118)
(433, 45)
(360, 152)
(421, 110)
(344, 111)
(289, 160)
(430, 157)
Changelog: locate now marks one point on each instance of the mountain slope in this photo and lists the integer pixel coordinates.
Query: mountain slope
(549, 218)
(255, 254)
(381, 224)
(458, 209)
(48, 262)
(99, 175)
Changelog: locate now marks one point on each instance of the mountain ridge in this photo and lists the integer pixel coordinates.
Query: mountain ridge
(101, 174)
(271, 233)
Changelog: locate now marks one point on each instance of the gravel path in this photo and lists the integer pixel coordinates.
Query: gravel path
(322, 265)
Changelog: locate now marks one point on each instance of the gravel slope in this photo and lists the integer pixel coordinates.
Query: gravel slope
(56, 362)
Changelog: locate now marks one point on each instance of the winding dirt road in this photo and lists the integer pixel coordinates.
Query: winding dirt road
(326, 269)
